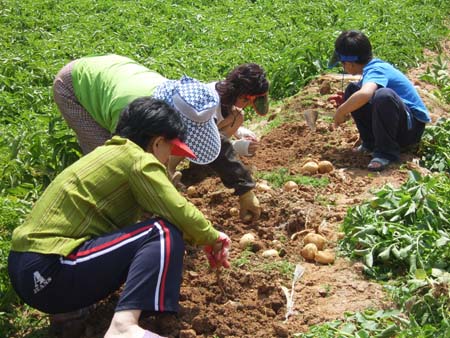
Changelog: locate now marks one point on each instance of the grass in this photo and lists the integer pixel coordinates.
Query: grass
(243, 259)
(283, 267)
(279, 177)
(246, 259)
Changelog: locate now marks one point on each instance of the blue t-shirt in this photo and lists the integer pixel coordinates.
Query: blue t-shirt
(387, 76)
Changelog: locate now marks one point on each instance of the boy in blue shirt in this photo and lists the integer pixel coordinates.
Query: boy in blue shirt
(387, 109)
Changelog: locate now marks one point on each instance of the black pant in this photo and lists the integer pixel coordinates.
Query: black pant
(147, 257)
(383, 123)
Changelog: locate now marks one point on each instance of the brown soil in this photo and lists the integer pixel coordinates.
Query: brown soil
(247, 300)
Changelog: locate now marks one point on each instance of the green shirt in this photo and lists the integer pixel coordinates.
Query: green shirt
(102, 192)
(104, 85)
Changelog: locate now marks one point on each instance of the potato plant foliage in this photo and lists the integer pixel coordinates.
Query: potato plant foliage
(403, 235)
(435, 146)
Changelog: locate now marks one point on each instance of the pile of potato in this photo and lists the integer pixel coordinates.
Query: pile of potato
(311, 167)
(313, 249)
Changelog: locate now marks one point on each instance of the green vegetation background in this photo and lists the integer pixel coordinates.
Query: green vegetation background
(205, 39)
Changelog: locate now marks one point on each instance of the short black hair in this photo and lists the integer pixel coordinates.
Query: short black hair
(147, 117)
(354, 43)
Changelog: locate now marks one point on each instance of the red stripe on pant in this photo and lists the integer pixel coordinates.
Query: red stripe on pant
(108, 244)
(167, 247)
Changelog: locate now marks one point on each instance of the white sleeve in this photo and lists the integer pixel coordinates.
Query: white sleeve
(243, 132)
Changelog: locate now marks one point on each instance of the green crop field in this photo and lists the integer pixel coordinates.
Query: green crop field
(204, 39)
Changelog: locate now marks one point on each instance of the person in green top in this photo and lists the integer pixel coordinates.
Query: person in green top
(85, 236)
(91, 92)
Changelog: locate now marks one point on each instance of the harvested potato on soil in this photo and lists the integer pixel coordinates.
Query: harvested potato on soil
(191, 191)
(270, 253)
(325, 257)
(309, 251)
(306, 160)
(310, 168)
(234, 211)
(247, 240)
(290, 185)
(325, 167)
(316, 239)
(263, 187)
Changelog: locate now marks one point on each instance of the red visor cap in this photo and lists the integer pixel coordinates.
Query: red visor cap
(180, 148)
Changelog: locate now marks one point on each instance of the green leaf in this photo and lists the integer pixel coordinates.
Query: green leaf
(411, 209)
(368, 259)
(385, 254)
(362, 334)
(442, 241)
(420, 274)
(348, 328)
(390, 331)
(405, 252)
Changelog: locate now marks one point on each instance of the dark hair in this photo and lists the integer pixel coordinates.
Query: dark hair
(147, 117)
(354, 43)
(246, 79)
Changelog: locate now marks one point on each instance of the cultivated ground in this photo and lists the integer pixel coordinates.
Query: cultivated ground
(247, 300)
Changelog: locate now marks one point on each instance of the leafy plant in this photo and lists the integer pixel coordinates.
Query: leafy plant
(402, 229)
(404, 234)
(369, 323)
(435, 146)
(426, 299)
(438, 75)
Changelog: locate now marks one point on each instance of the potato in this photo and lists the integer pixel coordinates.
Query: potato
(263, 187)
(306, 160)
(325, 257)
(270, 253)
(309, 251)
(290, 185)
(316, 239)
(234, 211)
(246, 240)
(191, 191)
(310, 168)
(325, 167)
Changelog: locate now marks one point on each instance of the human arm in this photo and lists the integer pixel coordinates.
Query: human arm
(160, 197)
(156, 194)
(354, 102)
(230, 124)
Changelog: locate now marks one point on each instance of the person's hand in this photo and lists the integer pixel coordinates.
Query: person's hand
(245, 133)
(336, 99)
(218, 253)
(253, 147)
(249, 207)
(244, 147)
(176, 180)
(340, 118)
(232, 122)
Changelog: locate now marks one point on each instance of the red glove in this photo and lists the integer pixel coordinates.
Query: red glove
(337, 99)
(217, 253)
